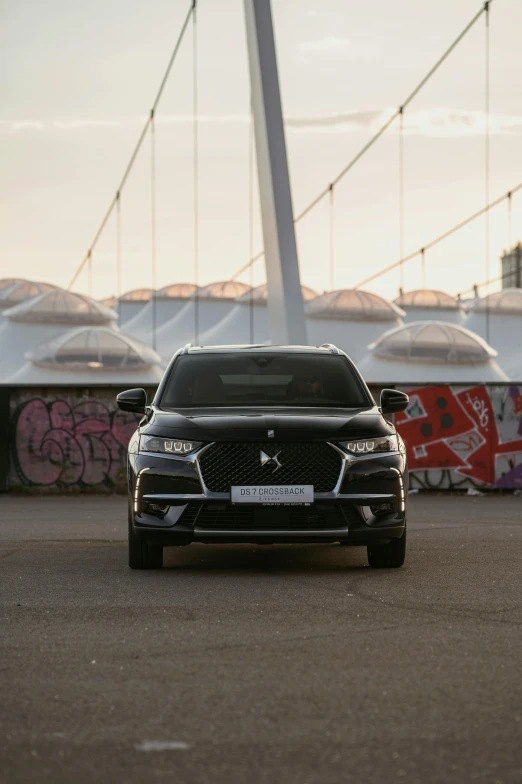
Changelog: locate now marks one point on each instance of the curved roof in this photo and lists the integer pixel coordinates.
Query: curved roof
(223, 289)
(87, 348)
(22, 290)
(352, 304)
(5, 282)
(508, 301)
(177, 290)
(423, 299)
(137, 295)
(433, 341)
(259, 295)
(109, 302)
(61, 307)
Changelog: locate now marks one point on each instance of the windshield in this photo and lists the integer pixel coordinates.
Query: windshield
(263, 380)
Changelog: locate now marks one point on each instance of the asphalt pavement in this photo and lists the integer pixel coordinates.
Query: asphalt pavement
(260, 664)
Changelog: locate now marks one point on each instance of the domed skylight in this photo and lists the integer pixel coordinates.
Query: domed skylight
(224, 289)
(352, 304)
(433, 341)
(109, 302)
(507, 301)
(422, 299)
(88, 348)
(259, 295)
(137, 295)
(176, 291)
(61, 307)
(22, 290)
(6, 282)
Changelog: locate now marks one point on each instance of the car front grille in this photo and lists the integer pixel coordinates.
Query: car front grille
(226, 464)
(317, 517)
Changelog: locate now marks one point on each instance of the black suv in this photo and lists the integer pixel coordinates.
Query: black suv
(265, 444)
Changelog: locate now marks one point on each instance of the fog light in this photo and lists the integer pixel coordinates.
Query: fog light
(381, 509)
(157, 509)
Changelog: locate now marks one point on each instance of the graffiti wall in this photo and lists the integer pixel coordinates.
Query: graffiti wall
(76, 439)
(69, 441)
(464, 436)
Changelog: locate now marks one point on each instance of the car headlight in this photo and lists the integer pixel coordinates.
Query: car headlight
(371, 446)
(167, 446)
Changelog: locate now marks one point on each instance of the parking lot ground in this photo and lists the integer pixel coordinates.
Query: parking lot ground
(260, 664)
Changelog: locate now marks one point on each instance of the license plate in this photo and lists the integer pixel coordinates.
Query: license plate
(272, 494)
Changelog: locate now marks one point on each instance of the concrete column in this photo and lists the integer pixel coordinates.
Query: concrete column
(285, 302)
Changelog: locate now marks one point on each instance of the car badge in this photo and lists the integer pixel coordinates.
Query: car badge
(270, 434)
(273, 461)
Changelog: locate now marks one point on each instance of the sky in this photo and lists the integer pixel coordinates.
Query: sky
(81, 78)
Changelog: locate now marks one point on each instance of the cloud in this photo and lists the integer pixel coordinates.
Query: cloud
(332, 43)
(444, 122)
(205, 119)
(349, 121)
(434, 122)
(438, 122)
(13, 126)
(71, 125)
(335, 46)
(22, 125)
(323, 14)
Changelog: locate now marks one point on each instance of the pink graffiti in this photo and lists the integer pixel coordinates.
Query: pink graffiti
(60, 443)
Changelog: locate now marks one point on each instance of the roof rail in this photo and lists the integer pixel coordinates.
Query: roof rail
(187, 348)
(330, 346)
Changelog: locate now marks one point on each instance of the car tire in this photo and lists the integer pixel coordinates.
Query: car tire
(388, 556)
(143, 555)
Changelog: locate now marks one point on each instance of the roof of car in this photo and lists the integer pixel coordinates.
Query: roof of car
(327, 348)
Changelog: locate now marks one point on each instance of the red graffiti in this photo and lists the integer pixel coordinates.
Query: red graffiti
(473, 433)
(63, 444)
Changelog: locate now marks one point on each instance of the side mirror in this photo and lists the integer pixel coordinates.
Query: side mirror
(133, 400)
(393, 401)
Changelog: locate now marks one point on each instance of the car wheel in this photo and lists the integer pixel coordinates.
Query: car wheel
(143, 555)
(387, 556)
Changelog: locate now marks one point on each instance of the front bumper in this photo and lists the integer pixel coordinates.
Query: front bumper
(171, 505)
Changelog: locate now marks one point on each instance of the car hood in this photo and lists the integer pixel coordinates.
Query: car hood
(288, 424)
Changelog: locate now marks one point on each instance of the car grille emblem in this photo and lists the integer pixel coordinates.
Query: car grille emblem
(270, 434)
(273, 461)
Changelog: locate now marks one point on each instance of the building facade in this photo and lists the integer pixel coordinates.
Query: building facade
(512, 268)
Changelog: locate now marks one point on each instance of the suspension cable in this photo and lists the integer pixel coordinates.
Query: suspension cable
(118, 245)
(394, 116)
(509, 219)
(251, 216)
(118, 249)
(347, 168)
(486, 155)
(485, 283)
(89, 273)
(423, 268)
(136, 148)
(244, 268)
(332, 239)
(153, 221)
(369, 144)
(401, 193)
(438, 239)
(196, 167)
